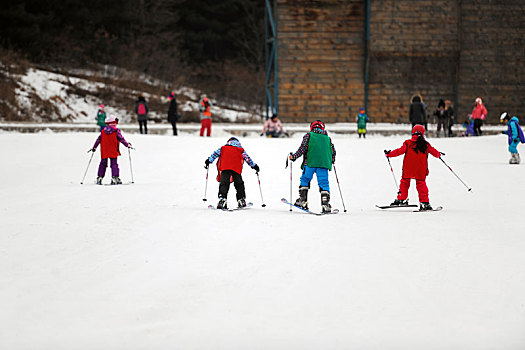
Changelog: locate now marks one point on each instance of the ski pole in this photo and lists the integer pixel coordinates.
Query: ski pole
(92, 154)
(468, 188)
(260, 190)
(338, 185)
(288, 160)
(394, 175)
(206, 187)
(130, 167)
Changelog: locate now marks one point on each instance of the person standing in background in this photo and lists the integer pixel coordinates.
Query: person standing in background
(205, 109)
(101, 117)
(451, 116)
(417, 114)
(172, 112)
(479, 113)
(361, 120)
(141, 109)
(441, 118)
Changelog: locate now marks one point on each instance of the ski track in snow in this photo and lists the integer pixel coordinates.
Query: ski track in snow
(148, 266)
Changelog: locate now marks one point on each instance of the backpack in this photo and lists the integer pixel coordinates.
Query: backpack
(141, 109)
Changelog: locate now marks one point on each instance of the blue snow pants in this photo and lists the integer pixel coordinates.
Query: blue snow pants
(513, 147)
(322, 177)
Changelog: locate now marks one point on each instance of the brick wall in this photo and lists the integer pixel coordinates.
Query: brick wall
(492, 57)
(320, 59)
(448, 49)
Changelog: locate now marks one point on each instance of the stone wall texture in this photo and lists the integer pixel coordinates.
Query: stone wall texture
(450, 49)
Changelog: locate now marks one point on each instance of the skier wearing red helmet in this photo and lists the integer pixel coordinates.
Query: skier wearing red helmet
(415, 166)
(318, 154)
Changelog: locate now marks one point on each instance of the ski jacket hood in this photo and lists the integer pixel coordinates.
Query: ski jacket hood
(234, 142)
(110, 129)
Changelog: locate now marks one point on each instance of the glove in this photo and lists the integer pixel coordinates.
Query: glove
(262, 134)
(92, 150)
(442, 153)
(504, 132)
(129, 146)
(387, 151)
(290, 156)
(207, 163)
(256, 168)
(516, 140)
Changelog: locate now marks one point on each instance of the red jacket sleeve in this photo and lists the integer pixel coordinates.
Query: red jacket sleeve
(397, 152)
(433, 151)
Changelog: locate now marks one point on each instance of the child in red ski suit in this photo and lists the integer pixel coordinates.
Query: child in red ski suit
(231, 158)
(109, 139)
(415, 166)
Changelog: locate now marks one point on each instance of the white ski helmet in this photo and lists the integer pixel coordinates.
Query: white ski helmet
(504, 116)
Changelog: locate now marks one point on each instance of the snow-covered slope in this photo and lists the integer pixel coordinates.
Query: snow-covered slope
(75, 95)
(148, 266)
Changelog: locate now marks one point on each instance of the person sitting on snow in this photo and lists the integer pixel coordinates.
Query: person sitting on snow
(273, 127)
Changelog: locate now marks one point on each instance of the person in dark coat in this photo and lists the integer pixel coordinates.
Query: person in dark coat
(418, 113)
(451, 116)
(172, 112)
(141, 109)
(441, 115)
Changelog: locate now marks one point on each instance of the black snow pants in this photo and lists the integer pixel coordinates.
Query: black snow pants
(224, 187)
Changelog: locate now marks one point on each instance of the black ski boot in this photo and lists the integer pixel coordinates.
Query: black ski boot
(99, 180)
(115, 180)
(399, 202)
(222, 203)
(241, 203)
(302, 201)
(325, 202)
(425, 206)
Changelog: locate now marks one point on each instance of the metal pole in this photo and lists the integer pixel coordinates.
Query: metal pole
(206, 187)
(338, 185)
(92, 154)
(130, 167)
(468, 188)
(394, 175)
(260, 190)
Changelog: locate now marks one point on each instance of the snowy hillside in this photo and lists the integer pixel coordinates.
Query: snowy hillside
(74, 96)
(148, 266)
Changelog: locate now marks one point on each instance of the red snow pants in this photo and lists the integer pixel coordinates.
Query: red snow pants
(206, 125)
(421, 186)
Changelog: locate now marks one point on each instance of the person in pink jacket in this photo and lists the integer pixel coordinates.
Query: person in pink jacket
(478, 114)
(273, 127)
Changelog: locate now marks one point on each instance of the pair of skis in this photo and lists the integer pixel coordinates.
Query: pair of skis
(285, 201)
(407, 206)
(248, 206)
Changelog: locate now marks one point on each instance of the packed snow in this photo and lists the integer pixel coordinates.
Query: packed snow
(149, 266)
